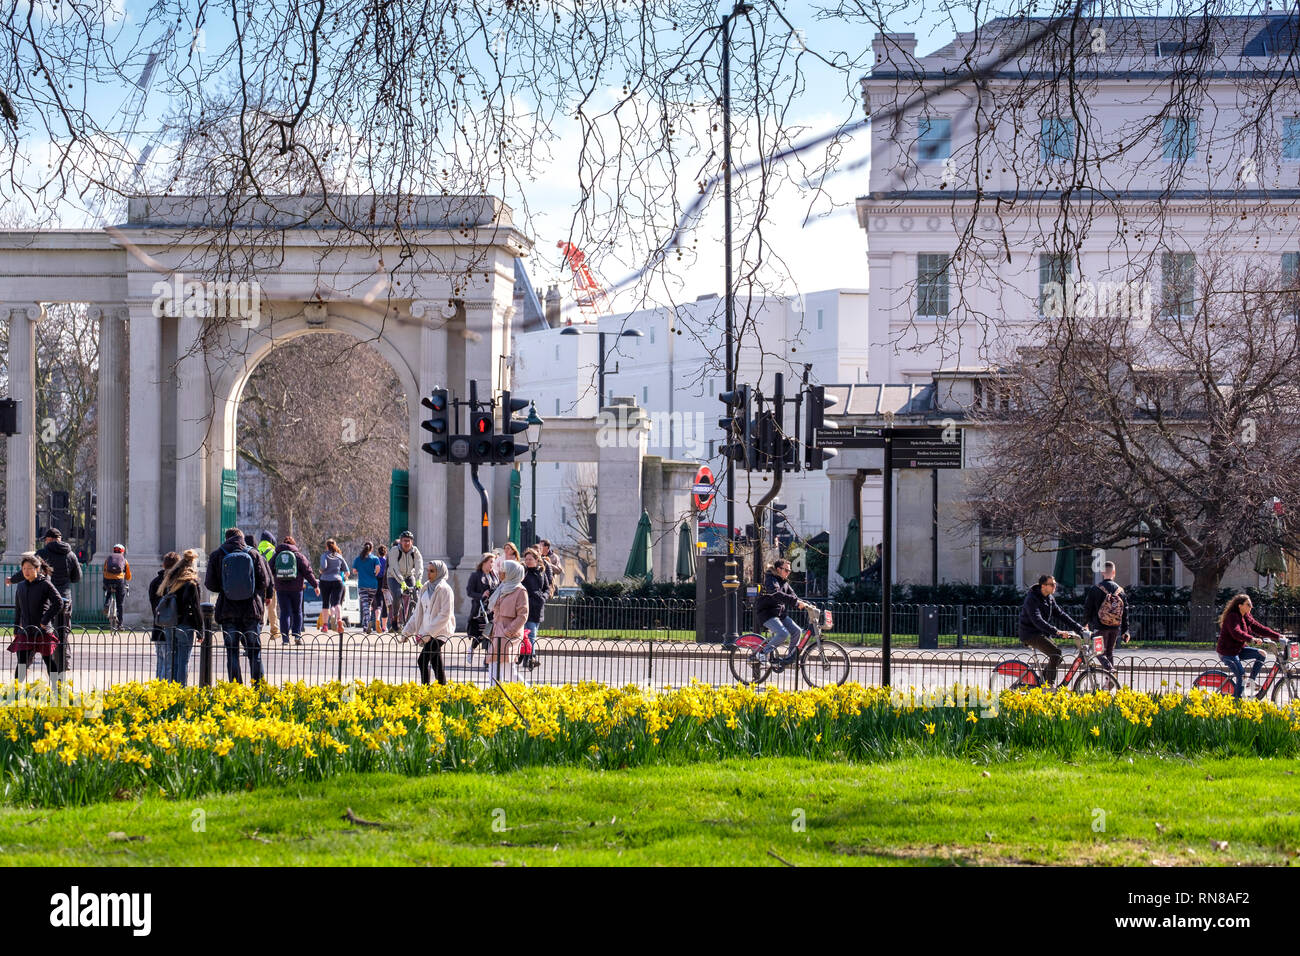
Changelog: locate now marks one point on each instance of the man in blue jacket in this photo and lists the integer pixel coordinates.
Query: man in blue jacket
(241, 579)
(1038, 617)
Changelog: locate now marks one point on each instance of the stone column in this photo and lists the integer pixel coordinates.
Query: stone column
(191, 432)
(20, 469)
(144, 440)
(110, 477)
(840, 516)
(428, 484)
(618, 489)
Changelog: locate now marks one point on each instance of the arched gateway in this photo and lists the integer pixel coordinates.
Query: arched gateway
(428, 282)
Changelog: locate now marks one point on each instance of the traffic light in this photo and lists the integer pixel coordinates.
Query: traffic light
(438, 425)
(482, 433)
(505, 447)
(739, 426)
(816, 403)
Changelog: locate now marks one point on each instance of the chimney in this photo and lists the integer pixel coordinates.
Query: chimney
(893, 51)
(553, 306)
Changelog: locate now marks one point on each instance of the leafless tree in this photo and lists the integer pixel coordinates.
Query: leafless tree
(580, 508)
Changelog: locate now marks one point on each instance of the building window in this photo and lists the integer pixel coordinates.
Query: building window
(932, 284)
(997, 557)
(652, 335)
(1177, 285)
(801, 511)
(557, 406)
(993, 395)
(557, 353)
(1179, 138)
(1053, 270)
(1056, 139)
(711, 444)
(1291, 137)
(1291, 283)
(1156, 565)
(711, 385)
(820, 314)
(645, 396)
(934, 141)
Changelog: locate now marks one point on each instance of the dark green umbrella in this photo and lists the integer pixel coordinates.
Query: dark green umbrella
(515, 482)
(685, 552)
(1270, 561)
(850, 566)
(638, 561)
(1064, 572)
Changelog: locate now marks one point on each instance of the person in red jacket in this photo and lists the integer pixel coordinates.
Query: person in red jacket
(1237, 628)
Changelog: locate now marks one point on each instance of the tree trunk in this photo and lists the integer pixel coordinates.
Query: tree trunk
(1205, 589)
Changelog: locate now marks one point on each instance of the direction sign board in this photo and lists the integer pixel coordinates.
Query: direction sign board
(859, 436)
(928, 447)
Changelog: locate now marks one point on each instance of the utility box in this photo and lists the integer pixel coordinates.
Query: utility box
(710, 597)
(927, 634)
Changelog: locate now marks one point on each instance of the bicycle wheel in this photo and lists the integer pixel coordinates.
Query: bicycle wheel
(824, 664)
(1287, 690)
(745, 667)
(1095, 679)
(1012, 675)
(1216, 682)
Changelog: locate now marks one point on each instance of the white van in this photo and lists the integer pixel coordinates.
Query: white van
(311, 606)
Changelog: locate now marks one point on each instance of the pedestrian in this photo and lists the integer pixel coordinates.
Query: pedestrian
(382, 602)
(552, 561)
(536, 584)
(433, 621)
(479, 587)
(179, 615)
(158, 635)
(1237, 628)
(240, 578)
(775, 602)
(405, 564)
(266, 547)
(1105, 610)
(366, 567)
(333, 577)
(1038, 617)
(510, 553)
(37, 606)
(290, 571)
(117, 572)
(509, 609)
(65, 571)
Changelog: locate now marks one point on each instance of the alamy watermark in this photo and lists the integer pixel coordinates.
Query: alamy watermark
(240, 299)
(1083, 299)
(688, 431)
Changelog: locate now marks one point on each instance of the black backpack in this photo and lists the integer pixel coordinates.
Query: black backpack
(168, 613)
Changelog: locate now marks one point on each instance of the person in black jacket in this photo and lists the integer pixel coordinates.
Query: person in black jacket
(37, 605)
(181, 584)
(162, 652)
(775, 602)
(64, 571)
(1093, 602)
(537, 582)
(240, 617)
(481, 582)
(1038, 617)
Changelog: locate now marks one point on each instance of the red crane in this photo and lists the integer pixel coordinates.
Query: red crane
(587, 292)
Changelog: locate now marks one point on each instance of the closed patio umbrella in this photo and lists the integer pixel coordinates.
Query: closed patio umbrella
(685, 552)
(1065, 571)
(515, 482)
(638, 561)
(850, 566)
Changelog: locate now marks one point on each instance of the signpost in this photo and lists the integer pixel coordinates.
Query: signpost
(704, 488)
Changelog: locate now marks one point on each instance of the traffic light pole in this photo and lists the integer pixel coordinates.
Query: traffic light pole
(483, 501)
(776, 445)
(886, 565)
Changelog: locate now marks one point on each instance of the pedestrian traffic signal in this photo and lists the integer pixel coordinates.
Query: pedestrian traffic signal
(816, 402)
(438, 425)
(506, 449)
(738, 426)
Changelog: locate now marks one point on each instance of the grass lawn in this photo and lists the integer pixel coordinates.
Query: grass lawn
(905, 812)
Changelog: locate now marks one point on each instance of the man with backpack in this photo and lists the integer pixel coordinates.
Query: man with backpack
(405, 565)
(266, 547)
(241, 579)
(290, 570)
(1105, 609)
(117, 572)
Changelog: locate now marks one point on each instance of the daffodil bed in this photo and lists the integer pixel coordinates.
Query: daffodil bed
(160, 737)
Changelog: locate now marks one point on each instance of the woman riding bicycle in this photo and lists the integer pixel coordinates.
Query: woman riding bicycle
(775, 602)
(1237, 628)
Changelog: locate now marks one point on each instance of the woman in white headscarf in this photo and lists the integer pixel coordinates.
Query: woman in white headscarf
(433, 621)
(509, 608)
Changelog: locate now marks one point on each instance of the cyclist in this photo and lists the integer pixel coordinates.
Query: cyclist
(405, 565)
(775, 603)
(1237, 628)
(1037, 624)
(117, 572)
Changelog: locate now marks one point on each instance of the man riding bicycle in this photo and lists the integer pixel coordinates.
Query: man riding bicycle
(1037, 624)
(117, 572)
(775, 602)
(405, 566)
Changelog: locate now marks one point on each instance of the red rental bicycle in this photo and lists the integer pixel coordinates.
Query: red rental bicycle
(1091, 675)
(821, 662)
(1283, 679)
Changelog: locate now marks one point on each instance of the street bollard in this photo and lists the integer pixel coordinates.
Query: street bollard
(208, 610)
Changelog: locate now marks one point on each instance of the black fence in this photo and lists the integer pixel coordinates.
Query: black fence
(101, 659)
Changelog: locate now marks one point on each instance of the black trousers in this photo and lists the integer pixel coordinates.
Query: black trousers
(431, 657)
(1042, 643)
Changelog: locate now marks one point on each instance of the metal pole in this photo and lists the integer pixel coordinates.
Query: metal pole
(886, 565)
(473, 471)
(534, 494)
(732, 587)
(600, 371)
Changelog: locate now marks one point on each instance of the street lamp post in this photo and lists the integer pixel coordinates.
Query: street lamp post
(600, 344)
(534, 433)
